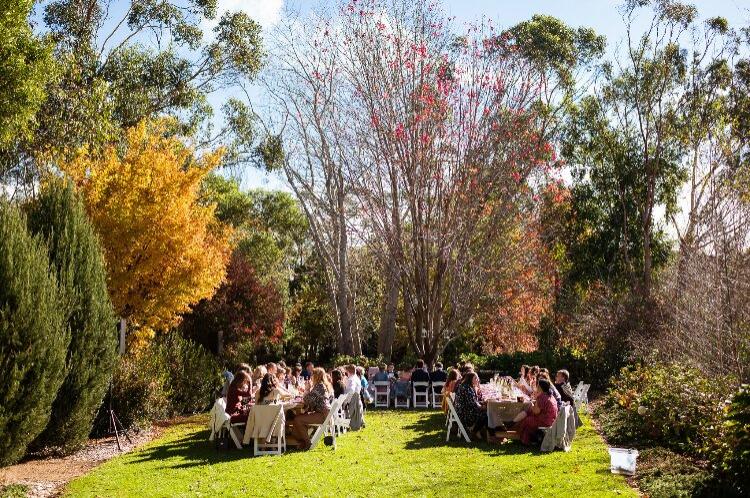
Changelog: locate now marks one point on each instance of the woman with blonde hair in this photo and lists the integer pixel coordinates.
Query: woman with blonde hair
(317, 404)
(257, 377)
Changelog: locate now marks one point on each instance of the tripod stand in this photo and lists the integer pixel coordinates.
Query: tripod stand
(114, 422)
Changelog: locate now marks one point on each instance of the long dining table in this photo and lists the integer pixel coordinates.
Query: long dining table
(502, 410)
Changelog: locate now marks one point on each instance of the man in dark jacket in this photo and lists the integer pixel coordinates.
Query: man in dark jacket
(420, 374)
(562, 383)
(438, 375)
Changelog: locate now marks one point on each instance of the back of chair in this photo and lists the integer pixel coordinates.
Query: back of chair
(268, 420)
(454, 419)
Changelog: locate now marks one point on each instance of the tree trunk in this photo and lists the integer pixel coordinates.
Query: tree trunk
(123, 333)
(387, 331)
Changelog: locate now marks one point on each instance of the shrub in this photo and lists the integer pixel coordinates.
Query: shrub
(361, 361)
(14, 491)
(193, 373)
(140, 390)
(665, 474)
(74, 252)
(170, 376)
(510, 363)
(33, 336)
(731, 447)
(668, 404)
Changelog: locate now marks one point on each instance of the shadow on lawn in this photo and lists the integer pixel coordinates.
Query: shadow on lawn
(430, 433)
(192, 450)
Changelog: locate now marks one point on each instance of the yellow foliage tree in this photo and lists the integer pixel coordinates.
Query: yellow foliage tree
(164, 250)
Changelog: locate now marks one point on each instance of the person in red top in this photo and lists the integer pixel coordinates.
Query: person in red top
(542, 412)
(239, 388)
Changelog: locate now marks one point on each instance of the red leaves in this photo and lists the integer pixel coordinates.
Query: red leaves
(399, 132)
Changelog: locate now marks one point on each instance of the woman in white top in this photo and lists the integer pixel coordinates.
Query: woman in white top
(524, 382)
(270, 391)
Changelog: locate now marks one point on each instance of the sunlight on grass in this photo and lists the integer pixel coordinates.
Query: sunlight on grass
(399, 453)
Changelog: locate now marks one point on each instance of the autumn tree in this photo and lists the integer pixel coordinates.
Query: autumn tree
(164, 250)
(245, 308)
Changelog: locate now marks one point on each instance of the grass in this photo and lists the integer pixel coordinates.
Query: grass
(399, 453)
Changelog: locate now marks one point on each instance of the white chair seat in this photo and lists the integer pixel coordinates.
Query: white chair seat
(420, 398)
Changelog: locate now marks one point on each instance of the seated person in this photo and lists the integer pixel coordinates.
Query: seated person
(420, 374)
(466, 367)
(562, 383)
(337, 380)
(258, 375)
(308, 371)
(244, 367)
(541, 413)
(270, 391)
(438, 375)
(471, 412)
(238, 397)
(228, 378)
(524, 381)
(281, 376)
(382, 375)
(391, 371)
(317, 403)
(405, 374)
(454, 377)
(271, 368)
(296, 379)
(552, 389)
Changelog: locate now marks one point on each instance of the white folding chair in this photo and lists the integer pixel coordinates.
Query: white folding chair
(577, 392)
(420, 399)
(275, 442)
(582, 397)
(220, 421)
(453, 419)
(328, 427)
(437, 394)
(341, 420)
(382, 394)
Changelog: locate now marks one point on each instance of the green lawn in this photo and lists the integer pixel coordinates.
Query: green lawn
(399, 453)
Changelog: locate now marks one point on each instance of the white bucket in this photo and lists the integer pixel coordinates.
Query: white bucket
(622, 461)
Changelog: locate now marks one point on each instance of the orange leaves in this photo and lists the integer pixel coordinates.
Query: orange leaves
(523, 294)
(164, 250)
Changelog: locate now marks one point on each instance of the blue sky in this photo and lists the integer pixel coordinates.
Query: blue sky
(602, 15)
